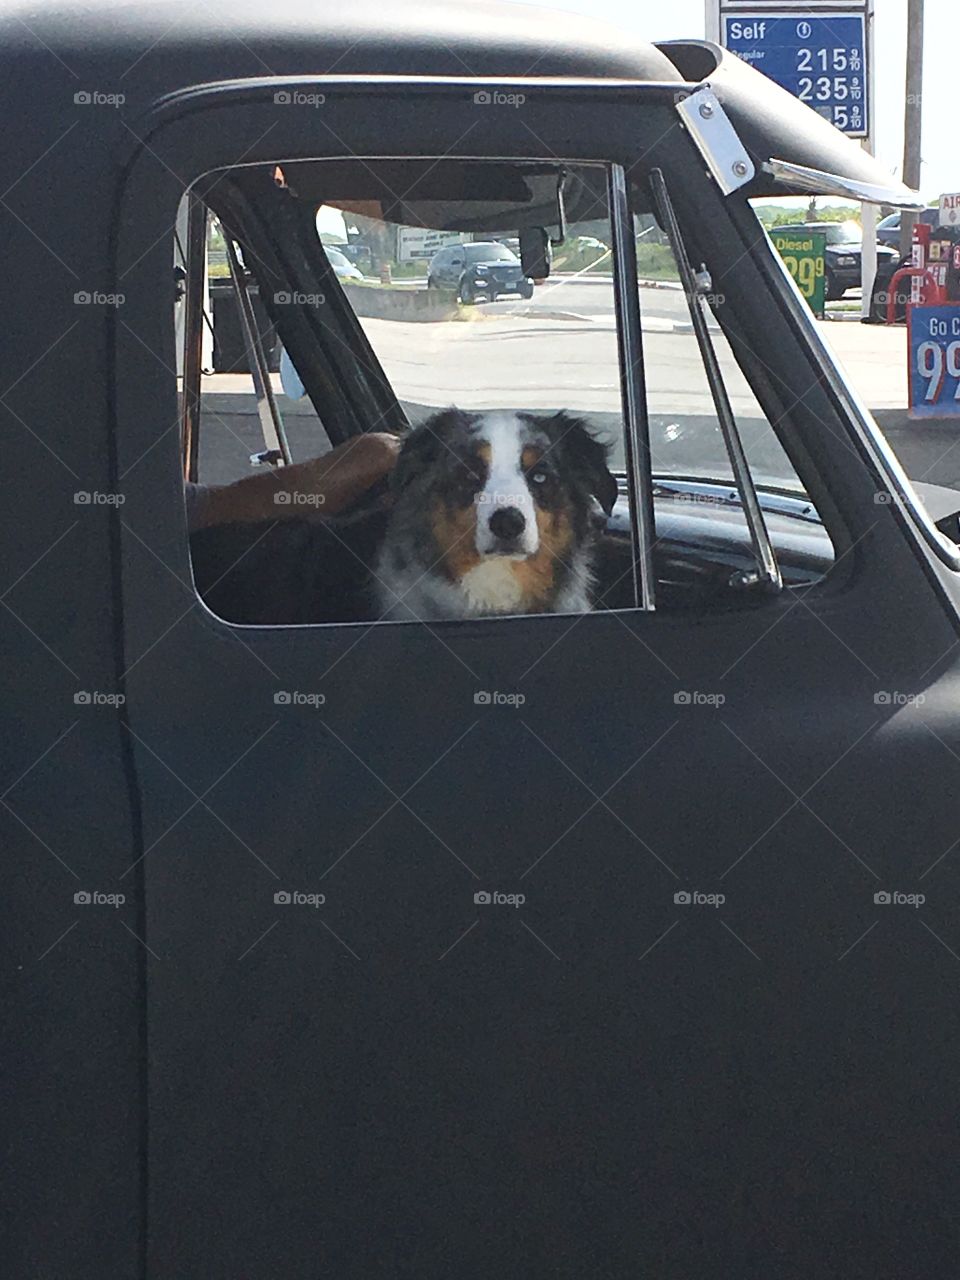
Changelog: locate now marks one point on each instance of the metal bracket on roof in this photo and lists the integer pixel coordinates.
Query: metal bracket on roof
(717, 140)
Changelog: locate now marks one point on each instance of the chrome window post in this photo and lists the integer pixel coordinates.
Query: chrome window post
(633, 388)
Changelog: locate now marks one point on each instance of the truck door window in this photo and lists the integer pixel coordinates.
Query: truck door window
(422, 318)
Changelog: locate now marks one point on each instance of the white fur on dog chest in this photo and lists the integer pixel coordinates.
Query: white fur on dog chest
(492, 586)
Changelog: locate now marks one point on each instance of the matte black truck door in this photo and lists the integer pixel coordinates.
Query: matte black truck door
(404, 1079)
(607, 1078)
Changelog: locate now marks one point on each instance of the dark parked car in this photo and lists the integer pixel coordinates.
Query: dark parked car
(273, 1006)
(843, 254)
(479, 272)
(888, 229)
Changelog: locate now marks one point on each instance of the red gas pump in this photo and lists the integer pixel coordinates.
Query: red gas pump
(929, 272)
(928, 252)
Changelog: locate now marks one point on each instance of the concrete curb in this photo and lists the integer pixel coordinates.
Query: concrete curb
(414, 305)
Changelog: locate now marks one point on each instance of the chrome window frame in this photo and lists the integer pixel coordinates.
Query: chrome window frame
(633, 400)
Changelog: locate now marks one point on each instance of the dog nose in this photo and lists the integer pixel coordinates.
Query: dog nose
(507, 523)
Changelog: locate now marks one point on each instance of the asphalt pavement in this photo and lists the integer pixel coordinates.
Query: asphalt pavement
(559, 350)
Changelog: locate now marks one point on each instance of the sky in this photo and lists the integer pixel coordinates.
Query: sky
(656, 20)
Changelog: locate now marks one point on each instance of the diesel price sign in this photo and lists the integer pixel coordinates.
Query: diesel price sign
(804, 256)
(820, 58)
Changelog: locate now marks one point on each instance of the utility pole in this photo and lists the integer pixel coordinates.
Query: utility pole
(712, 20)
(913, 116)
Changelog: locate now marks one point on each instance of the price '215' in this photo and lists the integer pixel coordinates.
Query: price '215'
(935, 363)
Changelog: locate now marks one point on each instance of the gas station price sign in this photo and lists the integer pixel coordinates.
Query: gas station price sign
(804, 255)
(934, 346)
(821, 58)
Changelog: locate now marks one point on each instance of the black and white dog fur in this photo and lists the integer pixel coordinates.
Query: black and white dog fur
(495, 513)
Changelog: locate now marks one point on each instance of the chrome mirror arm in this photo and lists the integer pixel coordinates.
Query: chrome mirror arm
(798, 176)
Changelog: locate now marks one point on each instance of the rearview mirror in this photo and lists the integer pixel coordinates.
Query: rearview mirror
(535, 252)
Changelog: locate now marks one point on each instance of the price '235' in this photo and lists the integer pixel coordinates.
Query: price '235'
(935, 363)
(823, 89)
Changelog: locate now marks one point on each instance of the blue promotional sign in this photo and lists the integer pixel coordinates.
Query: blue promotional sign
(820, 58)
(934, 346)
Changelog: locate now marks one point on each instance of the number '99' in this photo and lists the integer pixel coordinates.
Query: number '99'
(935, 363)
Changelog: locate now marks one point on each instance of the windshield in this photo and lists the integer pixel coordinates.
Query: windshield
(336, 258)
(835, 232)
(489, 253)
(845, 233)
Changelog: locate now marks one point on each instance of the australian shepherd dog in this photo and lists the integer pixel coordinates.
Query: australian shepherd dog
(494, 513)
(489, 514)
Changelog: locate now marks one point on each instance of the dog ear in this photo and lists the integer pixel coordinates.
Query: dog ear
(420, 450)
(588, 456)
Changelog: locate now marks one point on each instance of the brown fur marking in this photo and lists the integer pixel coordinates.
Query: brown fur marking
(455, 536)
(536, 574)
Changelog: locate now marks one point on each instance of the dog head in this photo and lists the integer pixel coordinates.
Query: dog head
(506, 501)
